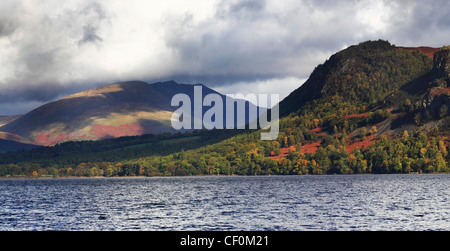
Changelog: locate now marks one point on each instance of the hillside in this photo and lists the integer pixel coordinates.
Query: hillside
(371, 108)
(8, 119)
(364, 73)
(8, 145)
(107, 111)
(111, 111)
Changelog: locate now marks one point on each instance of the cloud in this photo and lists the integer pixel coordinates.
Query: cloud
(94, 16)
(281, 86)
(263, 40)
(271, 39)
(7, 27)
(53, 48)
(90, 35)
(420, 23)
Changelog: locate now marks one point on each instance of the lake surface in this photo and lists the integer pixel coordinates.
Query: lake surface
(275, 203)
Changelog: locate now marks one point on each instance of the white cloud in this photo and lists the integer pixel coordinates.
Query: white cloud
(375, 15)
(281, 86)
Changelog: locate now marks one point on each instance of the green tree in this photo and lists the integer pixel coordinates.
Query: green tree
(53, 172)
(363, 133)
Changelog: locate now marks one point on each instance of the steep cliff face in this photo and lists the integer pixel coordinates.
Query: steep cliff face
(441, 61)
(437, 99)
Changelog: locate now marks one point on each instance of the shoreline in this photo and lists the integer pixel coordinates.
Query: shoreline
(140, 177)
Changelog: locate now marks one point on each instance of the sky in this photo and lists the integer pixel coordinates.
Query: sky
(51, 48)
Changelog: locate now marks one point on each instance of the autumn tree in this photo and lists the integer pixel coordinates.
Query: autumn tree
(373, 130)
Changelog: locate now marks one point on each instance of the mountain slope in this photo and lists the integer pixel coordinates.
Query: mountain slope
(8, 145)
(8, 119)
(373, 86)
(364, 73)
(115, 110)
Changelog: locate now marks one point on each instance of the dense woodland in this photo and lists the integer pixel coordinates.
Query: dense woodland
(364, 79)
(244, 154)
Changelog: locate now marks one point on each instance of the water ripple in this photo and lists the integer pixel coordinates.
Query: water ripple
(365, 202)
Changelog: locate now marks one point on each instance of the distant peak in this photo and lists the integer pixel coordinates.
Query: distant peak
(102, 90)
(170, 82)
(128, 83)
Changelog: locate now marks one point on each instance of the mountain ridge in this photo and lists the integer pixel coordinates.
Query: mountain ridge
(114, 110)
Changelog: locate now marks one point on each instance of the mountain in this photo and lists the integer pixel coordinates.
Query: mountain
(13, 142)
(371, 108)
(364, 73)
(115, 110)
(373, 84)
(8, 119)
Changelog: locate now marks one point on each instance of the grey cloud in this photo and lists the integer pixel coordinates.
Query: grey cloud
(218, 79)
(248, 39)
(37, 61)
(30, 93)
(7, 27)
(419, 23)
(90, 35)
(252, 5)
(8, 18)
(43, 59)
(20, 99)
(245, 9)
(93, 16)
(264, 44)
(41, 92)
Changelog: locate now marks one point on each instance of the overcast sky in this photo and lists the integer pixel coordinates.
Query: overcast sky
(52, 48)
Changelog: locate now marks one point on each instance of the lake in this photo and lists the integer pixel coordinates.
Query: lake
(273, 203)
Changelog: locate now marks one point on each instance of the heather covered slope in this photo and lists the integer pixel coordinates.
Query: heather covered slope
(115, 110)
(121, 109)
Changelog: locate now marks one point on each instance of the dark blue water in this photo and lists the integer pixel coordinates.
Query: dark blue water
(359, 202)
